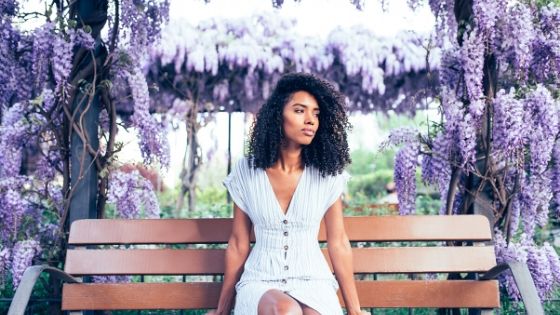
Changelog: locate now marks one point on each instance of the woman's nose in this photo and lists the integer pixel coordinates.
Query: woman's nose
(310, 119)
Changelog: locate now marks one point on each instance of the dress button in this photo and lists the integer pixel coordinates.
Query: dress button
(285, 233)
(286, 267)
(284, 281)
(285, 247)
(285, 221)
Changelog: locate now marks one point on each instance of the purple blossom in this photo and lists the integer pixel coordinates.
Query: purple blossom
(130, 192)
(43, 40)
(541, 111)
(153, 141)
(486, 14)
(5, 260)
(546, 46)
(23, 254)
(398, 136)
(8, 7)
(406, 162)
(449, 72)
(508, 128)
(467, 140)
(539, 266)
(553, 261)
(555, 176)
(472, 52)
(62, 53)
(446, 25)
(112, 279)
(535, 197)
(506, 253)
(83, 39)
(436, 169)
(517, 37)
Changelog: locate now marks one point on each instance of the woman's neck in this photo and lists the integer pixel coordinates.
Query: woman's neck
(289, 160)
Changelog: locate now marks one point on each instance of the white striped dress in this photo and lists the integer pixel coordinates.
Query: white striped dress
(286, 255)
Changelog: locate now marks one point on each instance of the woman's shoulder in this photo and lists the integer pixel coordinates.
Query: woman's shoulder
(243, 167)
(318, 175)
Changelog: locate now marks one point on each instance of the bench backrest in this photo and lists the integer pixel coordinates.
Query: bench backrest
(111, 247)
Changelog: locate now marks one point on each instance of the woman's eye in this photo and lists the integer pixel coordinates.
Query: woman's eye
(299, 111)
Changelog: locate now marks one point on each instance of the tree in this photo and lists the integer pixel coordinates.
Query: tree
(495, 151)
(58, 85)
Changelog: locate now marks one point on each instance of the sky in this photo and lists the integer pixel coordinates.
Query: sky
(315, 17)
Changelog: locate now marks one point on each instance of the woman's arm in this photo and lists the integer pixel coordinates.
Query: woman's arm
(236, 255)
(340, 254)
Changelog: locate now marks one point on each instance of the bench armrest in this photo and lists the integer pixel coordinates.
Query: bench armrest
(30, 276)
(524, 282)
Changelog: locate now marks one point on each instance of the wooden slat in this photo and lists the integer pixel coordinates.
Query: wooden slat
(416, 228)
(211, 261)
(417, 293)
(189, 231)
(464, 293)
(149, 231)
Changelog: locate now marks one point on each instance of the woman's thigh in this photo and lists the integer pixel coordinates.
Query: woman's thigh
(308, 310)
(277, 302)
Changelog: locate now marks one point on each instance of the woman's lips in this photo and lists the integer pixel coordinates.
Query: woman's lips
(308, 132)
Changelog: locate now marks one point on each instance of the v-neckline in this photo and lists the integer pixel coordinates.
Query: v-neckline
(288, 210)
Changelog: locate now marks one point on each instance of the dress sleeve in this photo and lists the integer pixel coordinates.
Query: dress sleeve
(337, 187)
(236, 184)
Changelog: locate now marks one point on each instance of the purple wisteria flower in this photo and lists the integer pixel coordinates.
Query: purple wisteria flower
(12, 139)
(486, 14)
(83, 39)
(153, 141)
(472, 52)
(43, 40)
(406, 162)
(505, 253)
(553, 260)
(539, 266)
(555, 176)
(399, 136)
(62, 53)
(541, 111)
(5, 260)
(508, 128)
(517, 35)
(22, 257)
(130, 193)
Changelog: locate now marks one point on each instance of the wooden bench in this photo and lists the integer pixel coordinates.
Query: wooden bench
(413, 245)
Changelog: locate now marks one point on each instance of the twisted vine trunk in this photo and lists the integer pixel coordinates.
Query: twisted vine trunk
(479, 196)
(191, 164)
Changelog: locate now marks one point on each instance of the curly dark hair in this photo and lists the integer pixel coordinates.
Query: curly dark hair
(328, 151)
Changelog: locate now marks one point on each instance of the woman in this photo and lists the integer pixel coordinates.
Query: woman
(292, 178)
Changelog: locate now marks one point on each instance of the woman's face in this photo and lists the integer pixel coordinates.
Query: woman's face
(301, 118)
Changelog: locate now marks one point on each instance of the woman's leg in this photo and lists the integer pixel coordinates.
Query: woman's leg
(308, 310)
(275, 302)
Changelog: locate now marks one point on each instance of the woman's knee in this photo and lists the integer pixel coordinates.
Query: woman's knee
(287, 307)
(278, 303)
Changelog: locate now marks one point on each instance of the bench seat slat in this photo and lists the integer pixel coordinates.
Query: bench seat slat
(191, 231)
(415, 293)
(211, 261)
